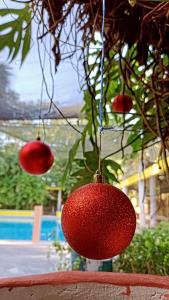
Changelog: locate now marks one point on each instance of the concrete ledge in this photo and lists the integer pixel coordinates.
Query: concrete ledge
(121, 279)
(85, 286)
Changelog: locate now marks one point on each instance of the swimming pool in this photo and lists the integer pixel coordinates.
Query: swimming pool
(21, 229)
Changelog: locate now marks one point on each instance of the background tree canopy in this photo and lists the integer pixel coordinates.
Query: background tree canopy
(18, 190)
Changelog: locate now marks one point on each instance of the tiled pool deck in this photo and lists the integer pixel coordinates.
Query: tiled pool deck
(26, 258)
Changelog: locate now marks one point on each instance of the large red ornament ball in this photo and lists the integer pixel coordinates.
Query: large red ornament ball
(122, 104)
(98, 221)
(36, 157)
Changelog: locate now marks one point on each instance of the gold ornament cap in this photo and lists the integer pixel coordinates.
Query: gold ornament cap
(98, 177)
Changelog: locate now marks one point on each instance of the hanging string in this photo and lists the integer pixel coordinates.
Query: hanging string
(52, 103)
(102, 83)
(41, 103)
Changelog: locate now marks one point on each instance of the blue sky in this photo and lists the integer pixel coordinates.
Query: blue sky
(27, 80)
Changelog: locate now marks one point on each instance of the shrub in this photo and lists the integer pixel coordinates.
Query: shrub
(148, 253)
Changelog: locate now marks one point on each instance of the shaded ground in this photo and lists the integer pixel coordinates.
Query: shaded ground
(18, 259)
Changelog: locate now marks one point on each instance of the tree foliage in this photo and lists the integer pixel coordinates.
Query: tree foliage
(18, 190)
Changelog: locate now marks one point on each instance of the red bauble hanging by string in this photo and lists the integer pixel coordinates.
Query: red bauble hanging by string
(122, 104)
(36, 157)
(98, 221)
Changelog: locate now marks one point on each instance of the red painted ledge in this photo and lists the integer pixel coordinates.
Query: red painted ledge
(118, 279)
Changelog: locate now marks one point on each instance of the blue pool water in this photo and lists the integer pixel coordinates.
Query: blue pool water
(16, 228)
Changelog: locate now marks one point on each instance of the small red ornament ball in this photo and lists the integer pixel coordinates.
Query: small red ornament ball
(98, 221)
(122, 104)
(36, 157)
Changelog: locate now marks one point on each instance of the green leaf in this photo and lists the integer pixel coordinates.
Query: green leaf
(135, 140)
(26, 43)
(108, 174)
(72, 154)
(84, 138)
(91, 160)
(17, 45)
(80, 173)
(113, 164)
(18, 35)
(9, 11)
(88, 178)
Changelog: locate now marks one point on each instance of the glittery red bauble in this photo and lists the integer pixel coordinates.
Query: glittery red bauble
(36, 158)
(122, 104)
(98, 221)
